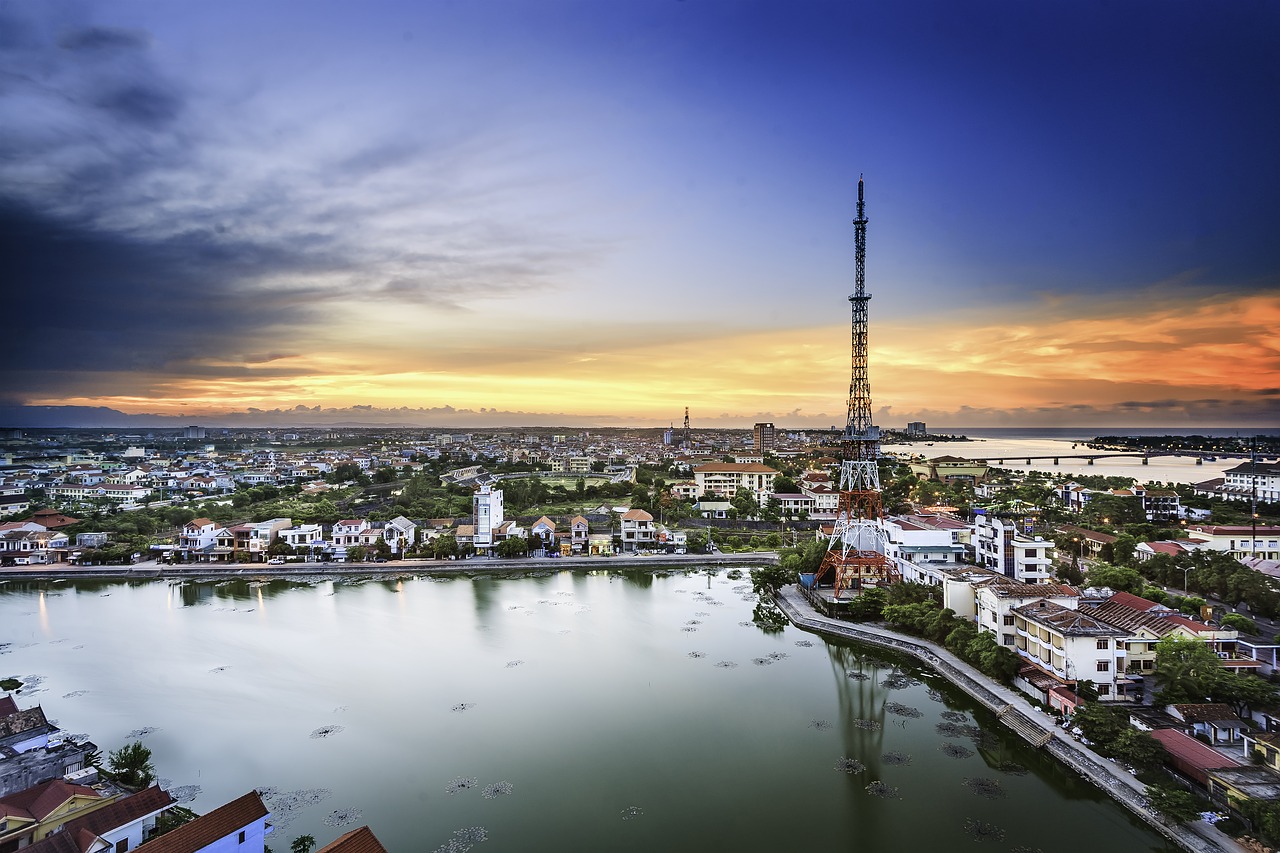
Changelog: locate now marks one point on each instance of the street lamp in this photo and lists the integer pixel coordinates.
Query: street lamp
(1184, 578)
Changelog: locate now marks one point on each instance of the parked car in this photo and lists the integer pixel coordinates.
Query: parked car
(275, 561)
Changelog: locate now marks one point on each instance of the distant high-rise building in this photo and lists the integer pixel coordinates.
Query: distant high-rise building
(193, 432)
(764, 438)
(915, 429)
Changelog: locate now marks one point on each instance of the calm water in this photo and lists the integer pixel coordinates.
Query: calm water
(624, 713)
(1164, 469)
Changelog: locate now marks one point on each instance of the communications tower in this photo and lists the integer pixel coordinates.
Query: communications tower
(855, 552)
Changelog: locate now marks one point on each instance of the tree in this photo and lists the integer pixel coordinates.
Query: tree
(1240, 623)
(445, 546)
(1174, 803)
(1184, 669)
(131, 766)
(513, 547)
(1100, 724)
(1117, 578)
(302, 844)
(1241, 691)
(869, 605)
(1138, 749)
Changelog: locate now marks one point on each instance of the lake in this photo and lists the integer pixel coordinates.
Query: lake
(565, 712)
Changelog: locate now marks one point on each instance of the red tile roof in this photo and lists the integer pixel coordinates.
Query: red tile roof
(1192, 751)
(40, 801)
(124, 811)
(206, 829)
(7, 705)
(360, 840)
(1133, 601)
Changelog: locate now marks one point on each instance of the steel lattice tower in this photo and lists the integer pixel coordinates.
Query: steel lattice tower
(855, 552)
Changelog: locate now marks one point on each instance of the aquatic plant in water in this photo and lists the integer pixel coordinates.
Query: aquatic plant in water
(883, 791)
(980, 830)
(895, 758)
(497, 789)
(955, 750)
(461, 783)
(984, 787)
(850, 765)
(900, 710)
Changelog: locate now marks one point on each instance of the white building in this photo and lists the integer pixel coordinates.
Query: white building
(486, 508)
(726, 478)
(638, 530)
(924, 545)
(1063, 647)
(1240, 541)
(999, 545)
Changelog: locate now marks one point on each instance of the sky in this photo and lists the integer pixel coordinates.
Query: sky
(538, 212)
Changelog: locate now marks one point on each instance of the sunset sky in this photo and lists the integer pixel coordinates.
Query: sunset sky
(504, 212)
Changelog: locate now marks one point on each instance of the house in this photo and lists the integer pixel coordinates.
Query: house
(1239, 483)
(924, 544)
(400, 534)
(361, 840)
(1212, 720)
(579, 534)
(544, 530)
(119, 827)
(32, 814)
(346, 533)
(33, 750)
(240, 826)
(638, 530)
(1146, 623)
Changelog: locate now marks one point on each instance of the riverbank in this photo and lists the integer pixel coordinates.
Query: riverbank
(1019, 715)
(526, 565)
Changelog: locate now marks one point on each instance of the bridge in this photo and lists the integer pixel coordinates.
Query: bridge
(1145, 455)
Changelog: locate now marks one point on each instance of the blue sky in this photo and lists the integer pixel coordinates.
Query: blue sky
(603, 212)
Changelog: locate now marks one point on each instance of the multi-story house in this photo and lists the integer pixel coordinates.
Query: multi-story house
(1000, 546)
(303, 537)
(116, 493)
(638, 530)
(579, 534)
(399, 533)
(197, 537)
(346, 533)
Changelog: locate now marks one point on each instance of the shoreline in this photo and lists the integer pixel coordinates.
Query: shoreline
(1017, 714)
(519, 565)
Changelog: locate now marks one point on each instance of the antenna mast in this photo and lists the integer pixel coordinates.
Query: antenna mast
(855, 551)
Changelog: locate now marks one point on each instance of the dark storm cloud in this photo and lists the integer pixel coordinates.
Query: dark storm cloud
(93, 301)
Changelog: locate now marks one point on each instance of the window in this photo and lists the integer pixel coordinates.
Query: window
(122, 845)
(1008, 639)
(1104, 689)
(1104, 666)
(1008, 619)
(241, 836)
(1104, 644)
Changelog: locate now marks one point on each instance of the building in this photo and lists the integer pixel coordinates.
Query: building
(924, 544)
(726, 478)
(119, 827)
(37, 812)
(638, 530)
(916, 429)
(949, 469)
(193, 432)
(33, 750)
(764, 438)
(1063, 646)
(1240, 541)
(1239, 483)
(361, 840)
(999, 545)
(240, 826)
(486, 509)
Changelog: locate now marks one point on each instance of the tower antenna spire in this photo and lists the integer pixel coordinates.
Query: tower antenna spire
(855, 551)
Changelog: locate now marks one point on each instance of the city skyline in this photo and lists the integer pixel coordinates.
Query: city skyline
(597, 214)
